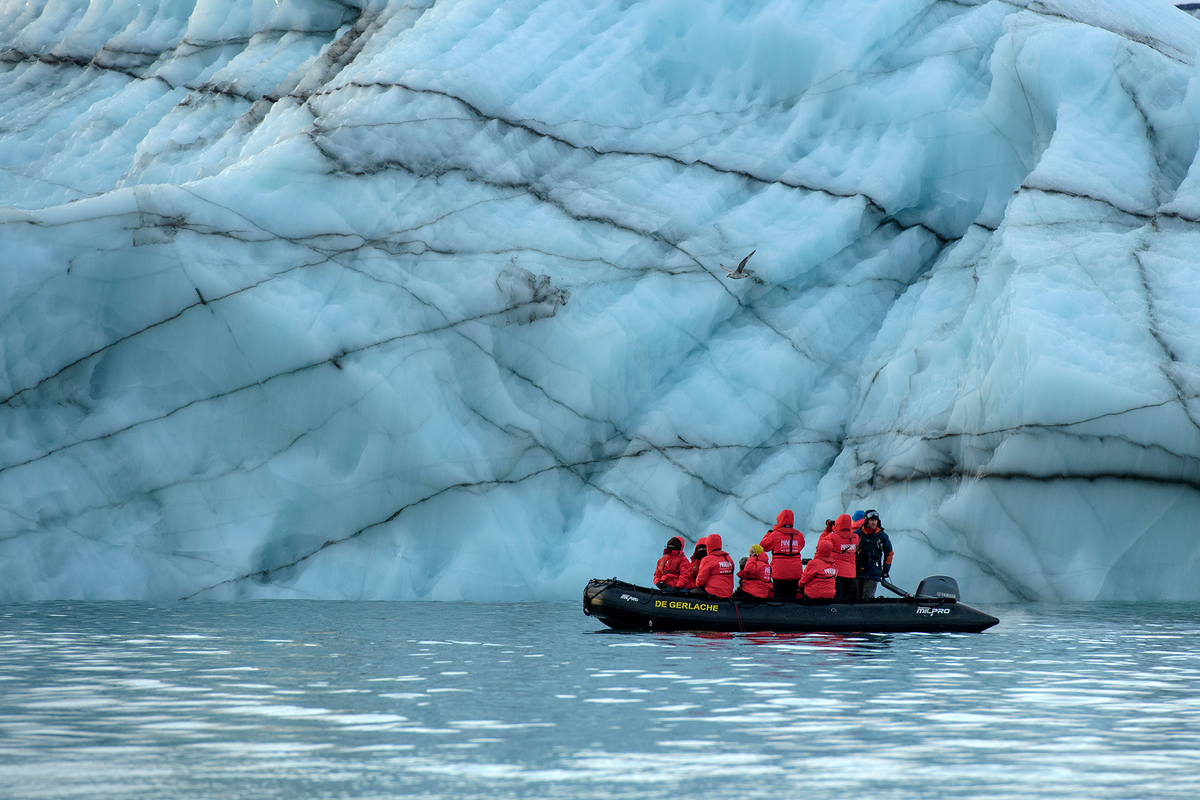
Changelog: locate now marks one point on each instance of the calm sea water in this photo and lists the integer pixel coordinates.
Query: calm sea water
(366, 700)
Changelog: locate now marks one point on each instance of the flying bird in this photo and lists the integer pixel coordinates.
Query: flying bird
(741, 271)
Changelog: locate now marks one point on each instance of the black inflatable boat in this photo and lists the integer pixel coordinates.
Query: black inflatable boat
(934, 609)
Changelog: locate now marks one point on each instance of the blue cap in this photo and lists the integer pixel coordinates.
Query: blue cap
(858, 515)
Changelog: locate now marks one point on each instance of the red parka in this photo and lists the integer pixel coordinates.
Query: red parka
(674, 567)
(694, 569)
(716, 570)
(844, 542)
(756, 576)
(784, 543)
(819, 579)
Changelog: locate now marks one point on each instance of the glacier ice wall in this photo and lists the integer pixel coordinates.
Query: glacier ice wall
(424, 300)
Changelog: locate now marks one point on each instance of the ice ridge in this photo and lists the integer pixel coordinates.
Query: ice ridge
(422, 300)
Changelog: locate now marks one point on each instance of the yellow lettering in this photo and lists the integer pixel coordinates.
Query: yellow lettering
(685, 605)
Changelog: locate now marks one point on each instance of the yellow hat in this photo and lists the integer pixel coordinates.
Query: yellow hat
(755, 549)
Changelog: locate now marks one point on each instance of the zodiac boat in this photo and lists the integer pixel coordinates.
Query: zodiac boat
(935, 608)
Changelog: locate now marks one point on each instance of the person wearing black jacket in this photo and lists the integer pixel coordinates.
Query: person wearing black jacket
(874, 555)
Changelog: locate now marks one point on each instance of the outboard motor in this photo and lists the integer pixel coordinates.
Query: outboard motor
(939, 586)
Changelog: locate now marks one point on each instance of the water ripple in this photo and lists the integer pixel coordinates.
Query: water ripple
(274, 700)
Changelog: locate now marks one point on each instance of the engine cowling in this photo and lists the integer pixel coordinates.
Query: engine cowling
(939, 586)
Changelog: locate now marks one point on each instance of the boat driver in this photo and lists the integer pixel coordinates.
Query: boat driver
(874, 555)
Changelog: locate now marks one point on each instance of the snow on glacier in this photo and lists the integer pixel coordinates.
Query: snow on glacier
(423, 300)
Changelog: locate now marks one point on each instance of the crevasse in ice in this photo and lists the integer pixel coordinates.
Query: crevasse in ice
(425, 300)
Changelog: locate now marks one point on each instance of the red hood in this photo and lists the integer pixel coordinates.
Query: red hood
(824, 549)
(785, 519)
(843, 523)
(714, 542)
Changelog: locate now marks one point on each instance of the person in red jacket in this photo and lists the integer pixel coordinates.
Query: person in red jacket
(784, 543)
(698, 554)
(819, 581)
(755, 575)
(673, 569)
(857, 520)
(716, 570)
(844, 542)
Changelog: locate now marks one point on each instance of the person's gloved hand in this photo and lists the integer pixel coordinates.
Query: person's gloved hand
(661, 584)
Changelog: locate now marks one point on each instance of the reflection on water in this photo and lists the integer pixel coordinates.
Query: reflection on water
(285, 699)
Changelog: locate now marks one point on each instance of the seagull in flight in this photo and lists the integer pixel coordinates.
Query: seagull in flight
(741, 271)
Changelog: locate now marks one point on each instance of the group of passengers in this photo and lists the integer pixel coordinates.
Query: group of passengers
(853, 555)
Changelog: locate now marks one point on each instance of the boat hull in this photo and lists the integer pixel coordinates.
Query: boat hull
(624, 606)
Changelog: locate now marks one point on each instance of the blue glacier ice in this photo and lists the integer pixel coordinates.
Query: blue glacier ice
(424, 300)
